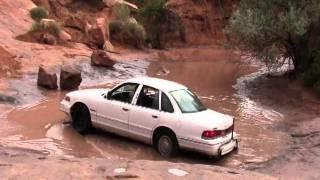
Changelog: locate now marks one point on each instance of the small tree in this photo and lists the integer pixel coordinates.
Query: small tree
(127, 27)
(38, 13)
(152, 13)
(277, 30)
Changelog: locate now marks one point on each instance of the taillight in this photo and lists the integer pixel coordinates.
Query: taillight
(211, 134)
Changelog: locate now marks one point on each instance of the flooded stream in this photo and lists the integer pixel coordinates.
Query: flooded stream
(220, 84)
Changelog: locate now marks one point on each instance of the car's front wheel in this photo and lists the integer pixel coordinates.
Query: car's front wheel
(81, 120)
(167, 144)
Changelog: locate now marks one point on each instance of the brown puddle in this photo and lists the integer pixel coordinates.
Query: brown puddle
(211, 75)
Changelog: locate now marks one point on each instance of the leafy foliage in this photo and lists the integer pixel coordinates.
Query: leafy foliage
(152, 13)
(153, 9)
(126, 26)
(53, 28)
(38, 13)
(276, 30)
(122, 12)
(115, 26)
(311, 76)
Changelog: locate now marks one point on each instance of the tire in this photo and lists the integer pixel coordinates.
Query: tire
(81, 120)
(167, 144)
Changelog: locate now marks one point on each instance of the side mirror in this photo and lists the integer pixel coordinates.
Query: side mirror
(105, 95)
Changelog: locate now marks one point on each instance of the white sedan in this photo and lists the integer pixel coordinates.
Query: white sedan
(155, 111)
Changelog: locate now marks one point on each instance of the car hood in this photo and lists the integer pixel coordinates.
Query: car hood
(210, 119)
(86, 93)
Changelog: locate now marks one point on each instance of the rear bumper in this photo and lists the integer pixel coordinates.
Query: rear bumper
(217, 150)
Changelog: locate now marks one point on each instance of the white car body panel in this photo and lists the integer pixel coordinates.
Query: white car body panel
(139, 122)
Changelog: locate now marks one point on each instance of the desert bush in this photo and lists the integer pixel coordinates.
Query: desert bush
(152, 13)
(160, 22)
(130, 30)
(122, 12)
(275, 31)
(152, 8)
(53, 28)
(115, 27)
(135, 31)
(127, 27)
(94, 3)
(38, 13)
(311, 76)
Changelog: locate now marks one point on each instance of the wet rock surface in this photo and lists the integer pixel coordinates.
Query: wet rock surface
(47, 78)
(102, 58)
(70, 78)
(20, 164)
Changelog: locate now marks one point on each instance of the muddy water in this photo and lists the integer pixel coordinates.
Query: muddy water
(216, 81)
(218, 85)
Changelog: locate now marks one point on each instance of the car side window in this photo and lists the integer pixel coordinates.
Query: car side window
(124, 93)
(166, 105)
(149, 98)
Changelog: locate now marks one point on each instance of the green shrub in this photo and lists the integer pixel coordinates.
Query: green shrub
(38, 13)
(130, 30)
(53, 28)
(317, 87)
(34, 28)
(153, 15)
(94, 3)
(127, 27)
(136, 31)
(122, 12)
(115, 26)
(152, 9)
(311, 77)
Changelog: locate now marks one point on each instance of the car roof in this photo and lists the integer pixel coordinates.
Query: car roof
(161, 84)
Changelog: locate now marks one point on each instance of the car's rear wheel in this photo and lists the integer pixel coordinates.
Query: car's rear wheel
(81, 120)
(167, 144)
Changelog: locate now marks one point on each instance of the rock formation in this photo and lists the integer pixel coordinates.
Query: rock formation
(70, 78)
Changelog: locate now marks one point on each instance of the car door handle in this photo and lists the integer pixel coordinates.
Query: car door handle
(154, 117)
(125, 109)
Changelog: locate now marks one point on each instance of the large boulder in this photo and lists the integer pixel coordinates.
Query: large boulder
(47, 78)
(102, 58)
(70, 78)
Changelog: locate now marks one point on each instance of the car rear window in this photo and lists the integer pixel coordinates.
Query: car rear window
(166, 105)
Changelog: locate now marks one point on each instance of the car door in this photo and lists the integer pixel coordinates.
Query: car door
(113, 111)
(144, 116)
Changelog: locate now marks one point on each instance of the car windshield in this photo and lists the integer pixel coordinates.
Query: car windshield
(187, 102)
